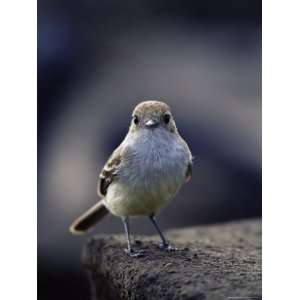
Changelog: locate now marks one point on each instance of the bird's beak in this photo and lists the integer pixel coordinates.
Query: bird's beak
(151, 123)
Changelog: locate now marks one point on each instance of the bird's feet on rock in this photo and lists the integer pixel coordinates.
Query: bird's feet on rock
(135, 253)
(167, 247)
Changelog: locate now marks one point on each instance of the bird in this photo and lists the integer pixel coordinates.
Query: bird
(143, 174)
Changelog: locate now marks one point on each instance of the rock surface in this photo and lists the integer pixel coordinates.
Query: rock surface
(213, 262)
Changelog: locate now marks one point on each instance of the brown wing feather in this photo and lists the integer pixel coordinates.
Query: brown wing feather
(98, 211)
(189, 171)
(109, 171)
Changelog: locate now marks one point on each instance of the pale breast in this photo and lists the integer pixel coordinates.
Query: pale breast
(150, 176)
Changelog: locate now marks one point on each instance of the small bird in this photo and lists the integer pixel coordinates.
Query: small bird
(143, 174)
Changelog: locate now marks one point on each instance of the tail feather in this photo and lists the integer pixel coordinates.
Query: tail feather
(89, 218)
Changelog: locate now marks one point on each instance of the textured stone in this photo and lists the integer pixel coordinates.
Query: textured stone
(213, 262)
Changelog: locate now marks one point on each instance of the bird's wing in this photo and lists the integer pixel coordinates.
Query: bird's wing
(189, 171)
(109, 171)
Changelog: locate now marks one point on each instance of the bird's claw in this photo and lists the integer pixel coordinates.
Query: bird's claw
(135, 253)
(167, 247)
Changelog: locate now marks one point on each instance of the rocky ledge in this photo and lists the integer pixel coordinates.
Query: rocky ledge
(216, 262)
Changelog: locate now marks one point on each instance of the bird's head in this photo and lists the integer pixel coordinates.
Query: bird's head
(151, 115)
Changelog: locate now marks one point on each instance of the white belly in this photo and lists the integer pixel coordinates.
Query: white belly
(124, 199)
(148, 179)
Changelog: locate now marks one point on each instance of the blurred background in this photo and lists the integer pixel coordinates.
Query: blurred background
(96, 61)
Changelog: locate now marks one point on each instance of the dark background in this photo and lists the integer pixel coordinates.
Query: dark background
(96, 61)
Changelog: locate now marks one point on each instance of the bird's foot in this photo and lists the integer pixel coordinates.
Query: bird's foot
(167, 247)
(135, 253)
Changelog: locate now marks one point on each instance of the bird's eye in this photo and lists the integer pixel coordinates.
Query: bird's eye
(135, 120)
(167, 118)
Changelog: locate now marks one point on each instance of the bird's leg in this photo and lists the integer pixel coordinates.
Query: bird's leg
(164, 243)
(129, 250)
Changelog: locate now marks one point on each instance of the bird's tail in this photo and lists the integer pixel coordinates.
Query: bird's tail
(89, 218)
